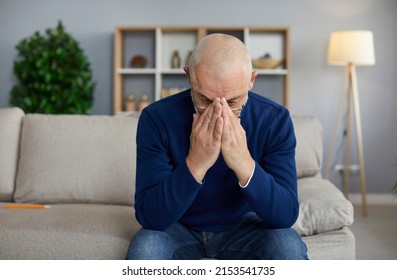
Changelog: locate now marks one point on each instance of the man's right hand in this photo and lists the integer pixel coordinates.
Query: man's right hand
(205, 140)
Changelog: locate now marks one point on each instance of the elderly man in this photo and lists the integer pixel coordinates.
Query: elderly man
(215, 166)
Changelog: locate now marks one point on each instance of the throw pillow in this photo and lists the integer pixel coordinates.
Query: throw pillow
(322, 207)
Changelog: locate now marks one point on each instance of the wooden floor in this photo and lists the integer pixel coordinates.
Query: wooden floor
(376, 234)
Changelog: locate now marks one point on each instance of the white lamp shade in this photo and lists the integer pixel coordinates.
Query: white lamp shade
(355, 47)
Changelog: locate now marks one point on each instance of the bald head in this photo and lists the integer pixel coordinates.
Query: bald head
(221, 56)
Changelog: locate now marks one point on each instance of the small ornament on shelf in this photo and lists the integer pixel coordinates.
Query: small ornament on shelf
(130, 103)
(165, 92)
(143, 102)
(138, 61)
(175, 60)
(266, 62)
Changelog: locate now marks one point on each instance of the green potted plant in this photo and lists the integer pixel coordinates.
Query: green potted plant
(54, 75)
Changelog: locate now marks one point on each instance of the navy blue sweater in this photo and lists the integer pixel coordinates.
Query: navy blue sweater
(166, 192)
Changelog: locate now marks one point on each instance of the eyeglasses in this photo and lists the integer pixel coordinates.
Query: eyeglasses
(236, 111)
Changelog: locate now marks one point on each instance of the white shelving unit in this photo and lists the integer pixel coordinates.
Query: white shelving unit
(157, 44)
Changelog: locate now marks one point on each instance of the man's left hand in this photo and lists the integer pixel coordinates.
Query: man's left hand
(234, 145)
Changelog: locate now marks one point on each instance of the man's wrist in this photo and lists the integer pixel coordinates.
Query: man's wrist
(245, 171)
(197, 173)
(249, 179)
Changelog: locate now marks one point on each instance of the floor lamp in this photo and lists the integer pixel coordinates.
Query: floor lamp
(350, 49)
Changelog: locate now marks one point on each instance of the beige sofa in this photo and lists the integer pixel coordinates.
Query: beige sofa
(84, 168)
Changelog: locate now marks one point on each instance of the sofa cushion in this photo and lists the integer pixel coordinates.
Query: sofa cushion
(334, 245)
(10, 126)
(67, 231)
(309, 145)
(77, 159)
(322, 207)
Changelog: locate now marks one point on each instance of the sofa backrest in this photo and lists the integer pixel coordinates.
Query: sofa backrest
(92, 159)
(309, 146)
(76, 159)
(10, 126)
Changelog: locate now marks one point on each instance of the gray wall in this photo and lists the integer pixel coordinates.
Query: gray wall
(315, 86)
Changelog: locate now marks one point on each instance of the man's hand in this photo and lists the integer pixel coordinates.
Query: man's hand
(234, 145)
(205, 140)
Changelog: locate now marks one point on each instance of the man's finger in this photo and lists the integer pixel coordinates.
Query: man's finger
(218, 131)
(228, 113)
(195, 120)
(205, 117)
(217, 111)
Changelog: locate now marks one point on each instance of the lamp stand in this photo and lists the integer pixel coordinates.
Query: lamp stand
(352, 101)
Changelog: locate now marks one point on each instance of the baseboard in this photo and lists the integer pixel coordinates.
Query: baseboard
(374, 199)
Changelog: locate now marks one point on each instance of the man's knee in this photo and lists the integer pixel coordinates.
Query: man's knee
(287, 245)
(150, 245)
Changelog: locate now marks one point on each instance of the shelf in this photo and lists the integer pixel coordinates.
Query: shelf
(136, 71)
(271, 71)
(138, 85)
(158, 44)
(183, 41)
(139, 43)
(144, 71)
(172, 71)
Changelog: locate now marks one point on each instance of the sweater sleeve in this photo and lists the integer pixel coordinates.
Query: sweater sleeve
(272, 190)
(163, 191)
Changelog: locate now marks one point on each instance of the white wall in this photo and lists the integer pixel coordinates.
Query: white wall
(315, 86)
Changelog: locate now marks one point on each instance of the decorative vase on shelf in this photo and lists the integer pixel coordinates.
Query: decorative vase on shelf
(138, 61)
(130, 103)
(143, 102)
(175, 60)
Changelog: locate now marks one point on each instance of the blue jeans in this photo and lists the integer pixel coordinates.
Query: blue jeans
(247, 239)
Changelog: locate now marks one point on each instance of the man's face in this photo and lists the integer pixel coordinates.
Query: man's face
(234, 88)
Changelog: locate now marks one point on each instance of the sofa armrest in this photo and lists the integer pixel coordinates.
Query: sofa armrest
(10, 127)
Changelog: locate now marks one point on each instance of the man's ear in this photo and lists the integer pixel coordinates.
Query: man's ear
(252, 80)
(186, 69)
